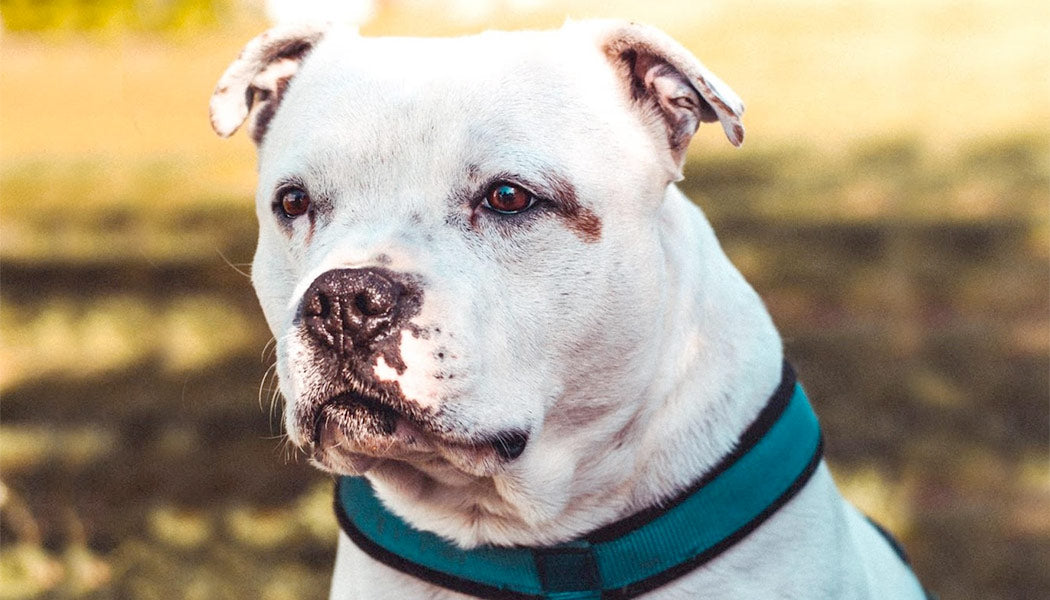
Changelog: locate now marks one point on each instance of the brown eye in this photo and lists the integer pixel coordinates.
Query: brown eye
(508, 199)
(294, 202)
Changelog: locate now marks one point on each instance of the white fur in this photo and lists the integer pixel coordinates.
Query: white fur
(635, 358)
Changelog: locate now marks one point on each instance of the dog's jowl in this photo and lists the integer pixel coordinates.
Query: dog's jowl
(515, 343)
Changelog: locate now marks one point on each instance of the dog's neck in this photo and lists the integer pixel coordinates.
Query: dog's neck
(730, 359)
(726, 362)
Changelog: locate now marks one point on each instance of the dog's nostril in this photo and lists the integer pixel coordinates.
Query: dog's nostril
(317, 305)
(324, 307)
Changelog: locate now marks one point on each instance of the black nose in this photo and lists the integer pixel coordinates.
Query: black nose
(347, 308)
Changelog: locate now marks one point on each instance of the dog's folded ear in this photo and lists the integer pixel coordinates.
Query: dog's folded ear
(252, 86)
(667, 80)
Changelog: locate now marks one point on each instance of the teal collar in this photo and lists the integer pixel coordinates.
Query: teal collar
(774, 459)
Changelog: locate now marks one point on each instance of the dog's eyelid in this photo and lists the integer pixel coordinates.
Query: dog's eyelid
(287, 183)
(505, 179)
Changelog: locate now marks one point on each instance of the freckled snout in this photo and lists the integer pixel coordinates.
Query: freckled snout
(349, 310)
(362, 404)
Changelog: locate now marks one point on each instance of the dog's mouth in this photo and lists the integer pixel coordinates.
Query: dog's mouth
(367, 415)
(354, 433)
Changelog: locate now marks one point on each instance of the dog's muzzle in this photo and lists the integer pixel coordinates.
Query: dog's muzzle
(350, 319)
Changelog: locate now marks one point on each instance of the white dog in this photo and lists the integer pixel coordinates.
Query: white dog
(491, 301)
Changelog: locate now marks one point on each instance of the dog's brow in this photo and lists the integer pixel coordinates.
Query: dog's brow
(561, 189)
(289, 181)
(581, 220)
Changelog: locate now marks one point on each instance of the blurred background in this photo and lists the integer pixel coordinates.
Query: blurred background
(891, 204)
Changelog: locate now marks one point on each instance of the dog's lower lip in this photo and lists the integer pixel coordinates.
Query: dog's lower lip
(383, 413)
(347, 462)
(353, 433)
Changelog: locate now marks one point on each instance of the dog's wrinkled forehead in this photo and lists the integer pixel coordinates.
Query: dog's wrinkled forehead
(432, 109)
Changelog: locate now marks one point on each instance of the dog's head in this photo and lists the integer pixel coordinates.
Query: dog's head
(460, 251)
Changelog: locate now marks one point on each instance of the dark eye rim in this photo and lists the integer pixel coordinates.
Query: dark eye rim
(533, 198)
(284, 190)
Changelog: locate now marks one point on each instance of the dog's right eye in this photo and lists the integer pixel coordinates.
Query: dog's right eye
(294, 202)
(508, 199)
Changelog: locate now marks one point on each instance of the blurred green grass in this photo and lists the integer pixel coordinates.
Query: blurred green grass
(895, 217)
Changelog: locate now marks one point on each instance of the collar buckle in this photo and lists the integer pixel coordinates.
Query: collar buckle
(569, 571)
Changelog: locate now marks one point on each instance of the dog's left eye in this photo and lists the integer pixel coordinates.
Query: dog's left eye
(508, 199)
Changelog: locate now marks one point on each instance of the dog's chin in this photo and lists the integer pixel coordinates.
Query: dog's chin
(354, 435)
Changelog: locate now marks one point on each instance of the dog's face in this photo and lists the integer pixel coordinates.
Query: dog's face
(459, 249)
